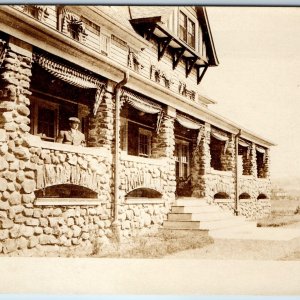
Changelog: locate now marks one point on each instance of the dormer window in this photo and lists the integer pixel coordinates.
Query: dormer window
(187, 30)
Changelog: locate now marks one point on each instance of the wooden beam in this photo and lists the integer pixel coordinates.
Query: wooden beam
(189, 63)
(201, 74)
(163, 43)
(177, 54)
(149, 31)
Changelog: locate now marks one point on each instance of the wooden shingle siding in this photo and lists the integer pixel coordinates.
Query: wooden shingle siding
(118, 54)
(52, 19)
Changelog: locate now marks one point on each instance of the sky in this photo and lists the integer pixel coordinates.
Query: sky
(257, 82)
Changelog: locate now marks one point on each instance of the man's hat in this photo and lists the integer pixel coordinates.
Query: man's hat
(74, 120)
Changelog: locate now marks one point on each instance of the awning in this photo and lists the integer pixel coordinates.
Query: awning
(3, 50)
(71, 76)
(142, 104)
(260, 150)
(243, 144)
(188, 123)
(220, 137)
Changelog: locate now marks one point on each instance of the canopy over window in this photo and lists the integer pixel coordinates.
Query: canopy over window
(140, 103)
(187, 122)
(260, 150)
(220, 137)
(243, 144)
(71, 76)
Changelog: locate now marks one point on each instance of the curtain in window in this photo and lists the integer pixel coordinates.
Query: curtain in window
(3, 50)
(72, 76)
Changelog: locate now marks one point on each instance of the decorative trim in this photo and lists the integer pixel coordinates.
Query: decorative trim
(72, 25)
(133, 61)
(3, 51)
(39, 12)
(182, 89)
(71, 76)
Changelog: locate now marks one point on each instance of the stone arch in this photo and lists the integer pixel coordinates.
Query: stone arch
(262, 196)
(244, 196)
(221, 195)
(66, 191)
(143, 192)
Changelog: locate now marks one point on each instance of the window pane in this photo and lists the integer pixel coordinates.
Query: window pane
(183, 26)
(46, 123)
(191, 34)
(143, 145)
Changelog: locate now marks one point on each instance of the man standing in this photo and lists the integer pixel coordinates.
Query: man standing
(72, 136)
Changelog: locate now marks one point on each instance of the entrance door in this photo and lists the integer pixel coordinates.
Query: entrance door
(182, 158)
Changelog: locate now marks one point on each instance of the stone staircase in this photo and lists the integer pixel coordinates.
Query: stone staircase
(190, 213)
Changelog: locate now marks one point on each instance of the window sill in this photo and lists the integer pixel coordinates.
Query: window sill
(36, 141)
(223, 201)
(141, 200)
(246, 176)
(145, 160)
(222, 173)
(67, 201)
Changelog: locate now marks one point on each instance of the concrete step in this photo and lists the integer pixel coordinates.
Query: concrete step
(195, 209)
(204, 216)
(205, 225)
(190, 201)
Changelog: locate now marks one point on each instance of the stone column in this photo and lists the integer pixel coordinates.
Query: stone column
(228, 158)
(201, 162)
(101, 126)
(253, 161)
(17, 171)
(163, 143)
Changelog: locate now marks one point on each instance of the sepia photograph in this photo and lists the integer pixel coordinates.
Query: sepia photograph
(149, 150)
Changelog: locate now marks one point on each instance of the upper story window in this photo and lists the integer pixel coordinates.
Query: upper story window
(187, 30)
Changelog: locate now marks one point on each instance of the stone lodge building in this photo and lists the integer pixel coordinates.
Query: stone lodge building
(132, 75)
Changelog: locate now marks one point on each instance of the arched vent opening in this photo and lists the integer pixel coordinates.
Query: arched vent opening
(221, 195)
(144, 193)
(244, 196)
(261, 197)
(66, 191)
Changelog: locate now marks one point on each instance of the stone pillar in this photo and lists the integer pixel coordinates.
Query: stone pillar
(17, 182)
(228, 158)
(253, 161)
(267, 164)
(163, 143)
(201, 162)
(101, 126)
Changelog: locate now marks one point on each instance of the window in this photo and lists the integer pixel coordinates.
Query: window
(216, 149)
(187, 30)
(45, 120)
(144, 142)
(182, 159)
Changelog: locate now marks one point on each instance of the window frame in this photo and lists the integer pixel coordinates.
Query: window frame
(148, 135)
(189, 18)
(179, 158)
(41, 103)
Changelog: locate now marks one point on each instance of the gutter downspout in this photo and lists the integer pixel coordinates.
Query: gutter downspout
(115, 223)
(236, 209)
